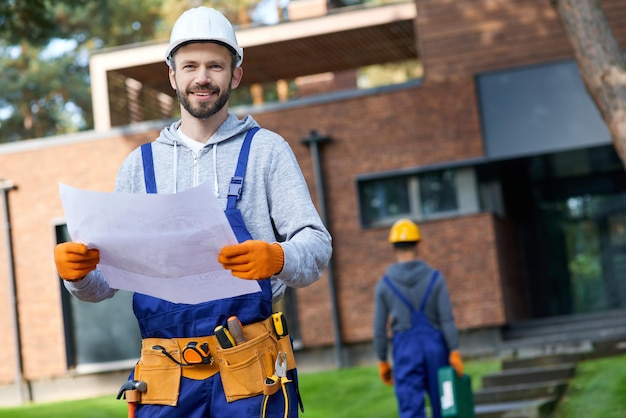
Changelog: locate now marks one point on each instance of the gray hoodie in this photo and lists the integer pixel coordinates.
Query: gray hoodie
(412, 279)
(275, 203)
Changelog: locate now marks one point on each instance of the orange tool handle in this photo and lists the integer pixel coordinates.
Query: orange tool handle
(236, 329)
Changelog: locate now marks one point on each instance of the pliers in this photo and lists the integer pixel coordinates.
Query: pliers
(272, 385)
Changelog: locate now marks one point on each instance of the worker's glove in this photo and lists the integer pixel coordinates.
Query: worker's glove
(253, 259)
(384, 371)
(75, 260)
(456, 362)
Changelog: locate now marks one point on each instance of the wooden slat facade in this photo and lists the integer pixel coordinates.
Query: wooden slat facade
(457, 38)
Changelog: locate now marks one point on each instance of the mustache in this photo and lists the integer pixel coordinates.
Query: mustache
(205, 88)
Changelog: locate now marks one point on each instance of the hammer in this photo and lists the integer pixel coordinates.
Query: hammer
(130, 390)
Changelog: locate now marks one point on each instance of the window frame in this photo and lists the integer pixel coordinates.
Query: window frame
(466, 188)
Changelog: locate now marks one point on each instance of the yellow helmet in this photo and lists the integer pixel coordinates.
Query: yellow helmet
(404, 230)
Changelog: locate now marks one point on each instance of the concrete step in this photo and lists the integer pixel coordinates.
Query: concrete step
(541, 361)
(529, 375)
(562, 328)
(520, 392)
(535, 408)
(580, 341)
(606, 348)
(537, 357)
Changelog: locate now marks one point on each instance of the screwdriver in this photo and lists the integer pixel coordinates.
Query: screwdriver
(223, 337)
(236, 329)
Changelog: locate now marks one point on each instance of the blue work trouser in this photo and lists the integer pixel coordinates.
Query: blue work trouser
(205, 399)
(418, 353)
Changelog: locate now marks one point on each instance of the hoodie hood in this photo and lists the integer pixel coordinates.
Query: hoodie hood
(409, 273)
(232, 127)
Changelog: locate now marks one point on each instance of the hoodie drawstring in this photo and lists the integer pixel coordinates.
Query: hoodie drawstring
(215, 183)
(175, 166)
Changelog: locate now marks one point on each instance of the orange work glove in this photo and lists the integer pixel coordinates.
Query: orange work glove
(384, 371)
(74, 260)
(456, 362)
(253, 259)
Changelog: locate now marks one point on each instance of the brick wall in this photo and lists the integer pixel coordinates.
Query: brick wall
(436, 122)
(387, 131)
(35, 207)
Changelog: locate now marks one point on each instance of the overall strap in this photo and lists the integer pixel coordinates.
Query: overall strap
(236, 183)
(405, 300)
(399, 294)
(430, 287)
(148, 168)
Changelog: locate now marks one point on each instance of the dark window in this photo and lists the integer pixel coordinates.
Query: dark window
(437, 192)
(384, 199)
(289, 306)
(424, 195)
(98, 332)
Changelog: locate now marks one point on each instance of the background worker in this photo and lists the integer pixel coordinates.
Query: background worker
(278, 246)
(425, 338)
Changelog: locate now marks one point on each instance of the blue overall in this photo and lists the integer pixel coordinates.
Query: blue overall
(418, 353)
(158, 318)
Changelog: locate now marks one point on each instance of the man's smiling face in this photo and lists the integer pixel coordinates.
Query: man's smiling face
(203, 78)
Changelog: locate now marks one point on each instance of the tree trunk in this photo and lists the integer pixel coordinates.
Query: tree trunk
(600, 62)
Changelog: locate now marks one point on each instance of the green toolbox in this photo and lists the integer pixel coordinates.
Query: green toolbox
(457, 399)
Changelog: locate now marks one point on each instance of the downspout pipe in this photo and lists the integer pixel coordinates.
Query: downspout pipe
(23, 388)
(314, 140)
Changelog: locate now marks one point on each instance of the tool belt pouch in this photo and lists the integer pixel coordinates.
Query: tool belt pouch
(243, 368)
(162, 377)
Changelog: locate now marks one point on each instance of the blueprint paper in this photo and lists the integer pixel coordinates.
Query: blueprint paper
(162, 245)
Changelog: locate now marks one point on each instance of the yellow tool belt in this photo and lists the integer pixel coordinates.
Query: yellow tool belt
(243, 368)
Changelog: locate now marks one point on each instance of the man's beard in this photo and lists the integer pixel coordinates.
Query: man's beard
(204, 110)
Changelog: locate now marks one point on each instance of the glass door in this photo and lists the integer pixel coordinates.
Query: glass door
(593, 230)
(584, 263)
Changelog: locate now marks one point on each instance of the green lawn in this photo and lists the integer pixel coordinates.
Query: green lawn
(107, 407)
(358, 392)
(597, 391)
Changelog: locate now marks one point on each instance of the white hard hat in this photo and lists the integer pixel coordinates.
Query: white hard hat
(203, 24)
